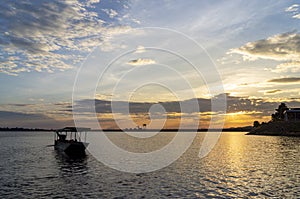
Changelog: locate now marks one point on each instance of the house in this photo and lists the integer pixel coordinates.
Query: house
(292, 115)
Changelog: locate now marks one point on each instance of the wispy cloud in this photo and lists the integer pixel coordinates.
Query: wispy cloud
(282, 47)
(271, 92)
(140, 49)
(287, 67)
(141, 61)
(285, 80)
(110, 12)
(294, 9)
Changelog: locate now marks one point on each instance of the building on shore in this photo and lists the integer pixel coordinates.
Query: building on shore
(292, 115)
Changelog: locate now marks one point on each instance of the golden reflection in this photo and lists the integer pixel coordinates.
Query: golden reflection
(235, 152)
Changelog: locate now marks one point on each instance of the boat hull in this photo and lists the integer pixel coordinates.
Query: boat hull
(71, 148)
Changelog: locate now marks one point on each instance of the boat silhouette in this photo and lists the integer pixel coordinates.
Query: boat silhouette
(71, 140)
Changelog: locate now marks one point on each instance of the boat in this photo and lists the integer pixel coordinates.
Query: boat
(71, 140)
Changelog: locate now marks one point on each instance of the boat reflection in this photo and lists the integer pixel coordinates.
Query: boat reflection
(70, 166)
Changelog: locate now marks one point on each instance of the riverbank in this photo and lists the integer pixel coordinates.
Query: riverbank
(279, 128)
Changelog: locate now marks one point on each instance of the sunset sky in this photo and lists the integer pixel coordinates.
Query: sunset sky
(252, 46)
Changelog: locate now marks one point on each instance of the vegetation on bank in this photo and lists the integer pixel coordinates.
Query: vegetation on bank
(277, 125)
(233, 129)
(23, 129)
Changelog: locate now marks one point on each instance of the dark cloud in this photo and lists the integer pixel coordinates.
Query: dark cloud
(17, 119)
(103, 106)
(234, 104)
(256, 107)
(285, 80)
(141, 61)
(62, 104)
(21, 105)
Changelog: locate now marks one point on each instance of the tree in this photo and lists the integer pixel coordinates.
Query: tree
(256, 124)
(279, 114)
(275, 117)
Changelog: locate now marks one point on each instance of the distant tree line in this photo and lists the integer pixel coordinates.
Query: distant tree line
(23, 129)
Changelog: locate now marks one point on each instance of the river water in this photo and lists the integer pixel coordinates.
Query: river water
(238, 166)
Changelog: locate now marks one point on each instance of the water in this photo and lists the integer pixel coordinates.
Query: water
(238, 166)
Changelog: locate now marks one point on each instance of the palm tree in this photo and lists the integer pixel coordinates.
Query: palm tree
(279, 114)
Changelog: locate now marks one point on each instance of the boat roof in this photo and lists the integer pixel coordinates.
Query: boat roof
(293, 111)
(73, 129)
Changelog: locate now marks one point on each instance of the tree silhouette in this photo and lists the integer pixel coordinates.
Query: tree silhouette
(279, 114)
(144, 126)
(256, 124)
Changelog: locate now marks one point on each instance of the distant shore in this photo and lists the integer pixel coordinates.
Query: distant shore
(23, 129)
(237, 129)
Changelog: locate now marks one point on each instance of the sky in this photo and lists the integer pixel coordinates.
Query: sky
(160, 62)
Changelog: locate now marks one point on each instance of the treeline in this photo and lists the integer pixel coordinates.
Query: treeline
(23, 129)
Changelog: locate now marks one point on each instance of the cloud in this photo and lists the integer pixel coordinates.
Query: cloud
(282, 91)
(234, 104)
(272, 91)
(110, 12)
(18, 119)
(285, 80)
(237, 108)
(296, 16)
(293, 67)
(294, 9)
(21, 105)
(53, 35)
(139, 111)
(141, 61)
(140, 49)
(282, 47)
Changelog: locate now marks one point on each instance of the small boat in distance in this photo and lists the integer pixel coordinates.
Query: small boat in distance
(71, 140)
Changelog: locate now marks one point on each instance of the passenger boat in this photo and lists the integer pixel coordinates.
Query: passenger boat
(71, 140)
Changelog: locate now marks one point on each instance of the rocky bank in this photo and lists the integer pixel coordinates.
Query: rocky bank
(282, 128)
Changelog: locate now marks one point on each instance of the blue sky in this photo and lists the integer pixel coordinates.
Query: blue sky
(254, 45)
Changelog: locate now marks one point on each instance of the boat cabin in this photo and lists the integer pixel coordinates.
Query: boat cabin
(71, 140)
(68, 134)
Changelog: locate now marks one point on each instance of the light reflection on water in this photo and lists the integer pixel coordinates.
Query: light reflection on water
(239, 166)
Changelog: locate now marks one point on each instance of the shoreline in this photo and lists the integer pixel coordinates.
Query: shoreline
(238, 129)
(278, 128)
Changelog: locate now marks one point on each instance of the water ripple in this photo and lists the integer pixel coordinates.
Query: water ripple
(239, 166)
